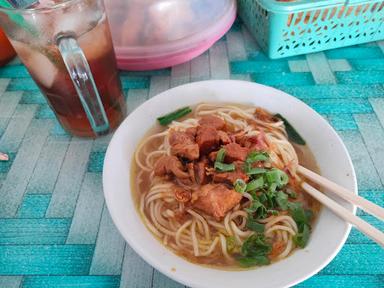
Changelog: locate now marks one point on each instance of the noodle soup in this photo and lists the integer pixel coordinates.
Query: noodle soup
(218, 186)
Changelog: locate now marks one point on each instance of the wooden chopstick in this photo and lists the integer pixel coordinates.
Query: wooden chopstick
(364, 204)
(339, 210)
(345, 214)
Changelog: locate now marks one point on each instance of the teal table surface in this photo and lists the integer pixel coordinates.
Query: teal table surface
(55, 230)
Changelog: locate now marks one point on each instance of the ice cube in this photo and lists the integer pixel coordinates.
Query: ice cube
(48, 3)
(70, 22)
(96, 42)
(39, 66)
(41, 23)
(77, 19)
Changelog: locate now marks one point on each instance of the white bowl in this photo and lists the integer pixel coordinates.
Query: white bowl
(329, 233)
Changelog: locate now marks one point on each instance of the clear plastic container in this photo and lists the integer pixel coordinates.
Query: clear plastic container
(152, 34)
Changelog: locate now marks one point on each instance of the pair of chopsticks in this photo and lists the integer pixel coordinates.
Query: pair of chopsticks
(339, 210)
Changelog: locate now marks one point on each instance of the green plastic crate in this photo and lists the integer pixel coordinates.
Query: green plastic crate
(297, 27)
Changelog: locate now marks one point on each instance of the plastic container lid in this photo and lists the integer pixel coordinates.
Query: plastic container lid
(152, 34)
(286, 6)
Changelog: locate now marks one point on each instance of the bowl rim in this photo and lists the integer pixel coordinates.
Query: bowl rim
(190, 282)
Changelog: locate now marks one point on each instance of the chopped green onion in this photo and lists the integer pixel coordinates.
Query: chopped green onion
(255, 156)
(255, 184)
(256, 171)
(246, 167)
(220, 155)
(168, 118)
(277, 176)
(222, 167)
(293, 135)
(240, 186)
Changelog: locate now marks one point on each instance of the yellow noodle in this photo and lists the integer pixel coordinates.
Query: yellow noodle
(240, 233)
(280, 227)
(223, 242)
(180, 231)
(194, 239)
(226, 224)
(138, 162)
(287, 249)
(159, 206)
(203, 222)
(211, 248)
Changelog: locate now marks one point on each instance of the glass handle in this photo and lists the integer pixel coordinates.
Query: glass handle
(84, 83)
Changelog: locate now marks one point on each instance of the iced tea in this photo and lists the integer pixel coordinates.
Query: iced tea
(46, 66)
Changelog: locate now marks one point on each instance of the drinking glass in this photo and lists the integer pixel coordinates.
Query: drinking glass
(67, 48)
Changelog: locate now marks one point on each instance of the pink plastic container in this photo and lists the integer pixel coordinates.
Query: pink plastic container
(153, 34)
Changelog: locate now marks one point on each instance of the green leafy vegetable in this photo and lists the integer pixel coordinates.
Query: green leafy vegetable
(255, 184)
(302, 218)
(301, 238)
(272, 189)
(309, 215)
(293, 135)
(297, 212)
(254, 226)
(282, 200)
(256, 245)
(270, 194)
(255, 251)
(222, 167)
(277, 176)
(273, 212)
(240, 186)
(253, 261)
(220, 155)
(257, 209)
(168, 118)
(263, 198)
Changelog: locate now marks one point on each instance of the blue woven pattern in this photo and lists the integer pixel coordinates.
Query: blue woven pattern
(55, 230)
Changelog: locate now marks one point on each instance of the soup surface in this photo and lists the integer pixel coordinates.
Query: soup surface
(218, 186)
